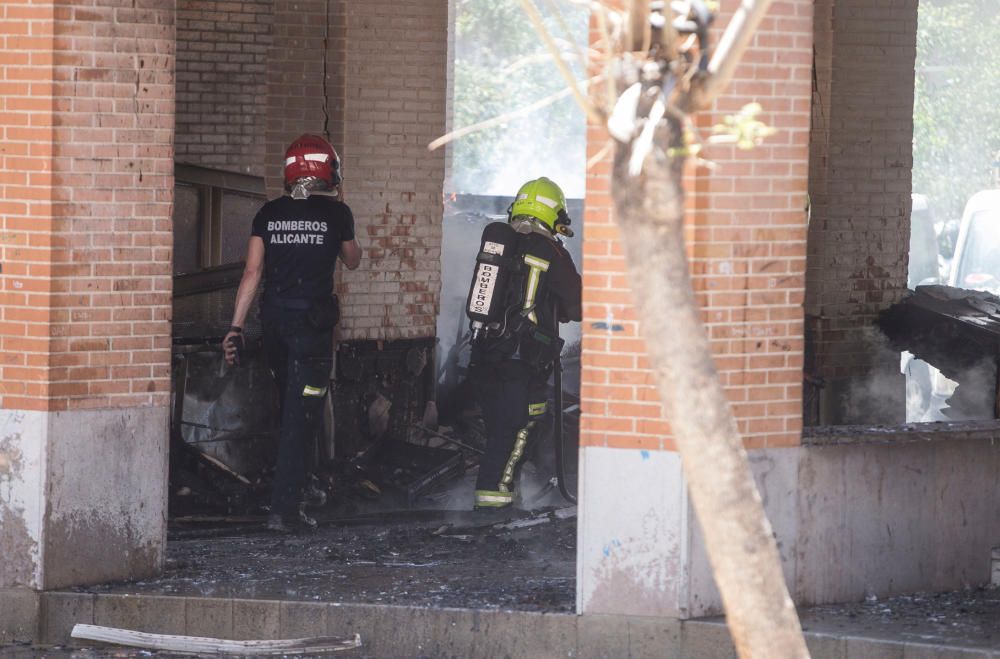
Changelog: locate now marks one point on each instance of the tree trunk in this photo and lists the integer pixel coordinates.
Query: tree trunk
(738, 537)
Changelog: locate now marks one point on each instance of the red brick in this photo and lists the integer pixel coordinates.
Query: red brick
(48, 155)
(734, 210)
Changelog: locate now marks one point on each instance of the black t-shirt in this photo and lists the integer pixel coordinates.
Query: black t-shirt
(302, 239)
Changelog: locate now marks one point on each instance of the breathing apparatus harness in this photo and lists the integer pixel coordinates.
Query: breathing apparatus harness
(499, 317)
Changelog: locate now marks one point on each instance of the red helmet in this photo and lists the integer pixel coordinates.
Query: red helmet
(310, 156)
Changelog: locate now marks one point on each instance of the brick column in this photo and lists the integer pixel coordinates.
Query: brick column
(372, 77)
(861, 170)
(221, 79)
(396, 85)
(305, 80)
(638, 549)
(87, 190)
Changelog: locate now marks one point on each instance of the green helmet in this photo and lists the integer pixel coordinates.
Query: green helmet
(545, 201)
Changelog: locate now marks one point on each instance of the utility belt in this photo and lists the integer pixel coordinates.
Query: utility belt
(286, 303)
(525, 342)
(322, 313)
(537, 347)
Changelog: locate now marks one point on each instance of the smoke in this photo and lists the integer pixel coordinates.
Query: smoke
(973, 397)
(499, 72)
(899, 388)
(535, 490)
(457, 496)
(878, 397)
(537, 152)
(538, 490)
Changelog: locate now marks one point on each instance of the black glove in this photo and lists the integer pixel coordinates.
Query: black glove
(239, 344)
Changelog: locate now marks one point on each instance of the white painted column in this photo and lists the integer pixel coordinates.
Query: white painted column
(632, 546)
(23, 436)
(83, 496)
(640, 550)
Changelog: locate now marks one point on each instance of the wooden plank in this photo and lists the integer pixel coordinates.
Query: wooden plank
(202, 645)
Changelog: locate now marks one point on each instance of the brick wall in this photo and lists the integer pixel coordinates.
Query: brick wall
(87, 193)
(370, 77)
(860, 182)
(747, 233)
(222, 55)
(305, 80)
(396, 86)
(26, 131)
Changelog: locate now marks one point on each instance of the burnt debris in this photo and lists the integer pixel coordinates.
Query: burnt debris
(958, 332)
(224, 420)
(376, 449)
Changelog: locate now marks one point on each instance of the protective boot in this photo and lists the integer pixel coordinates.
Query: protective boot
(300, 521)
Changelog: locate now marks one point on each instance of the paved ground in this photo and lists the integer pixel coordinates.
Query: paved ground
(460, 562)
(967, 618)
(423, 558)
(473, 561)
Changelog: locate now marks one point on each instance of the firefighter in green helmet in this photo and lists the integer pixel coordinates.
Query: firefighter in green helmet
(524, 285)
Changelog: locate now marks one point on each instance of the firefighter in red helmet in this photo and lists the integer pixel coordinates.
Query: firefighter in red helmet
(295, 242)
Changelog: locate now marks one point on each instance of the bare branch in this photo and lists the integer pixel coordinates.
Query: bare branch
(535, 58)
(731, 47)
(602, 154)
(536, 20)
(650, 120)
(668, 36)
(507, 116)
(643, 144)
(602, 22)
(637, 30)
(554, 8)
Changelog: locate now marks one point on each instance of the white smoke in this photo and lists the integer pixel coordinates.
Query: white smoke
(536, 154)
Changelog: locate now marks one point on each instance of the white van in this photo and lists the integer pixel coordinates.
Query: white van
(976, 265)
(924, 266)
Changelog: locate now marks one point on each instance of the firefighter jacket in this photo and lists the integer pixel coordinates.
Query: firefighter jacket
(547, 292)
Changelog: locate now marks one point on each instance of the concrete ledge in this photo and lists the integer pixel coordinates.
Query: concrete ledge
(924, 651)
(891, 519)
(69, 516)
(60, 611)
(19, 616)
(938, 431)
(254, 619)
(400, 631)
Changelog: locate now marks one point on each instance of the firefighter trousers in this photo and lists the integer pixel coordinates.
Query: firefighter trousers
(512, 397)
(301, 358)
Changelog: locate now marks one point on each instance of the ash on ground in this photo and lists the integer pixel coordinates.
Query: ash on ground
(517, 560)
(969, 618)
